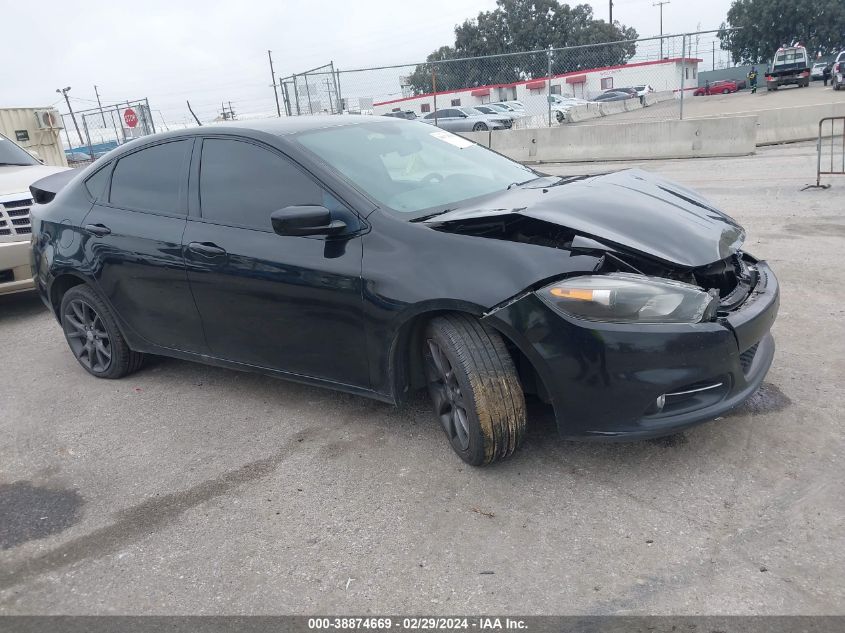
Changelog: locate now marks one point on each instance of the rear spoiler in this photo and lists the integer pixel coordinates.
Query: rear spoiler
(44, 190)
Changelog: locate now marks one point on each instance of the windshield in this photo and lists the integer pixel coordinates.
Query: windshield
(12, 154)
(409, 168)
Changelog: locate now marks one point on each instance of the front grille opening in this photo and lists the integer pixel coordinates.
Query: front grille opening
(18, 203)
(20, 222)
(18, 213)
(5, 231)
(747, 357)
(24, 230)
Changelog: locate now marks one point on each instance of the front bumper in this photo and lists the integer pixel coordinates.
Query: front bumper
(604, 379)
(15, 269)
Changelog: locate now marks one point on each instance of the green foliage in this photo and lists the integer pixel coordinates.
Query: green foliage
(766, 25)
(524, 25)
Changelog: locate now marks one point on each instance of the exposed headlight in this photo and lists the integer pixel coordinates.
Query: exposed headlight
(628, 298)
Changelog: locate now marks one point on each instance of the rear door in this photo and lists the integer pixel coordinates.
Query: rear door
(287, 303)
(134, 236)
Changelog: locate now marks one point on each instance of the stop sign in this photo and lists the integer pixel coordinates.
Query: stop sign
(130, 117)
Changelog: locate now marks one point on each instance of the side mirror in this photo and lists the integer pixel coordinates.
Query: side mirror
(305, 220)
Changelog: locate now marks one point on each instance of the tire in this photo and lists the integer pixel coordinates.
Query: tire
(479, 127)
(474, 388)
(559, 116)
(93, 336)
(726, 91)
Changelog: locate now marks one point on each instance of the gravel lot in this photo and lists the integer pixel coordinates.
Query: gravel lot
(190, 489)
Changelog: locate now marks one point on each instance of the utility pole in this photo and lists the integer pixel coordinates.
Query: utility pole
(660, 4)
(100, 105)
(714, 55)
(611, 12)
(275, 88)
(63, 92)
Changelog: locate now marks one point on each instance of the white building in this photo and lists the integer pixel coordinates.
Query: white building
(662, 75)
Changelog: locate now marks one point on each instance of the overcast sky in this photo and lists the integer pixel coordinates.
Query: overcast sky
(213, 51)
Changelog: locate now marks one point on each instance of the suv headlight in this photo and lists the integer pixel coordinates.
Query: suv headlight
(629, 298)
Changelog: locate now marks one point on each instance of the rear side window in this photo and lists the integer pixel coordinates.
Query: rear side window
(96, 184)
(242, 184)
(152, 179)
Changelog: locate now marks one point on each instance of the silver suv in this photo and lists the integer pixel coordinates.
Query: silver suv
(18, 170)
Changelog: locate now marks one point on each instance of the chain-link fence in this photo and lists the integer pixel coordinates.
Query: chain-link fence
(646, 79)
(91, 133)
(314, 91)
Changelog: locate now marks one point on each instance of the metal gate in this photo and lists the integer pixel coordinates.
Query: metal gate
(835, 166)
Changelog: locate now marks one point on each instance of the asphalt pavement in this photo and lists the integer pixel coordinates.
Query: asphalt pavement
(196, 490)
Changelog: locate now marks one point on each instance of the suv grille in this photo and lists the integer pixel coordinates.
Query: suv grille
(14, 219)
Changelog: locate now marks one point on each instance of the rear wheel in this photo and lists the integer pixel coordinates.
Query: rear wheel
(474, 388)
(559, 116)
(479, 127)
(726, 91)
(93, 336)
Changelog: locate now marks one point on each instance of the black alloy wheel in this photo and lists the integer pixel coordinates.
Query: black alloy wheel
(474, 388)
(87, 336)
(93, 336)
(449, 404)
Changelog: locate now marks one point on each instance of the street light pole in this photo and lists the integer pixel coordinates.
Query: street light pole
(63, 92)
(100, 105)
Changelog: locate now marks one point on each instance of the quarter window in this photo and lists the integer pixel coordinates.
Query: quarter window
(152, 179)
(96, 184)
(242, 184)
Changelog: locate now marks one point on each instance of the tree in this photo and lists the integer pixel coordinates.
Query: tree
(524, 25)
(766, 25)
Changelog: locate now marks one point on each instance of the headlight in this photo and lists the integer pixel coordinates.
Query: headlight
(628, 298)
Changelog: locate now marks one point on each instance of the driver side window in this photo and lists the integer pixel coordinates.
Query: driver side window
(242, 184)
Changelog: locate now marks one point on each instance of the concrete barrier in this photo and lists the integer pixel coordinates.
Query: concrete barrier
(799, 123)
(609, 108)
(632, 104)
(584, 112)
(659, 97)
(695, 138)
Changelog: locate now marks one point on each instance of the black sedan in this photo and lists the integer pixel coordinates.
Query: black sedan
(378, 256)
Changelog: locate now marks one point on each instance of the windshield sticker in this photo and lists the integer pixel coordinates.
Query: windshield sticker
(453, 139)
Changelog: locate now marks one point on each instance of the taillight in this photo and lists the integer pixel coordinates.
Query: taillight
(836, 68)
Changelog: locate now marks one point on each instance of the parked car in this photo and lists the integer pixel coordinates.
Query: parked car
(612, 95)
(18, 170)
(817, 71)
(402, 114)
(633, 92)
(512, 106)
(561, 105)
(790, 65)
(466, 120)
(499, 114)
(376, 256)
(837, 71)
(721, 87)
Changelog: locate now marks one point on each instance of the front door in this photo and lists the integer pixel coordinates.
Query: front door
(280, 302)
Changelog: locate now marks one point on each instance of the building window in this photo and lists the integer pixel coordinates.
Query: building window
(425, 107)
(456, 103)
(606, 83)
(555, 89)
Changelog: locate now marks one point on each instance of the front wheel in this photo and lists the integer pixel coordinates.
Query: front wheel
(559, 116)
(726, 91)
(93, 336)
(474, 387)
(479, 127)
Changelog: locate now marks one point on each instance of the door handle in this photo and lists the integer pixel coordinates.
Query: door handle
(207, 249)
(98, 230)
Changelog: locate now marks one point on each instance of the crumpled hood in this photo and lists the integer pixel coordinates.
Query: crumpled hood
(17, 178)
(631, 209)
